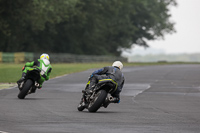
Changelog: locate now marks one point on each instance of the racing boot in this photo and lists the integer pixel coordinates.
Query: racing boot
(22, 78)
(89, 91)
(106, 103)
(91, 85)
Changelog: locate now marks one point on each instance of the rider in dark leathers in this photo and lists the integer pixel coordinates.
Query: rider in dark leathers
(111, 72)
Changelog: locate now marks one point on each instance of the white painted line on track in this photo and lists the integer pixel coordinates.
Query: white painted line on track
(3, 132)
(59, 76)
(16, 85)
(8, 89)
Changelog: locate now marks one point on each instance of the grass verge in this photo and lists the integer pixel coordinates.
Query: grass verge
(10, 73)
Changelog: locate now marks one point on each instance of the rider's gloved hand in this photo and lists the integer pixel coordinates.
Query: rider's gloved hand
(90, 76)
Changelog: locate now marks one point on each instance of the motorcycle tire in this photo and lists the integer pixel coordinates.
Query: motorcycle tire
(98, 101)
(22, 94)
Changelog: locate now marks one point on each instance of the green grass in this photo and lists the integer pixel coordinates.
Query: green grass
(10, 73)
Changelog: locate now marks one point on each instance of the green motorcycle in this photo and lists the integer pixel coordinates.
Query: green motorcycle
(30, 83)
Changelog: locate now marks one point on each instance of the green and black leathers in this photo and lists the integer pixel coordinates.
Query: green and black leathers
(44, 67)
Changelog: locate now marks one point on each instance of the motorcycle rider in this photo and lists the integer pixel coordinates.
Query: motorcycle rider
(111, 72)
(43, 64)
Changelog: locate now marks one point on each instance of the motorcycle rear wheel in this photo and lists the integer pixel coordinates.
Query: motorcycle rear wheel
(22, 94)
(98, 101)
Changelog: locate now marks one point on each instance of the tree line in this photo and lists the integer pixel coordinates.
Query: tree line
(91, 27)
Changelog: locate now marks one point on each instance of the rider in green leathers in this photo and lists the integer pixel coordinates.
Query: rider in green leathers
(43, 64)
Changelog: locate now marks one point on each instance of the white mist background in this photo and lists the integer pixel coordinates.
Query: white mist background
(187, 38)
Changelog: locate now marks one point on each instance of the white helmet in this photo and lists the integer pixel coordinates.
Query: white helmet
(44, 56)
(118, 64)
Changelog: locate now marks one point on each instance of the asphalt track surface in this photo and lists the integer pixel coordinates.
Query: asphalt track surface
(155, 99)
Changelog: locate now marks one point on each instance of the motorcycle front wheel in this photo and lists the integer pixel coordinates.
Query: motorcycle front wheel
(25, 89)
(96, 103)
